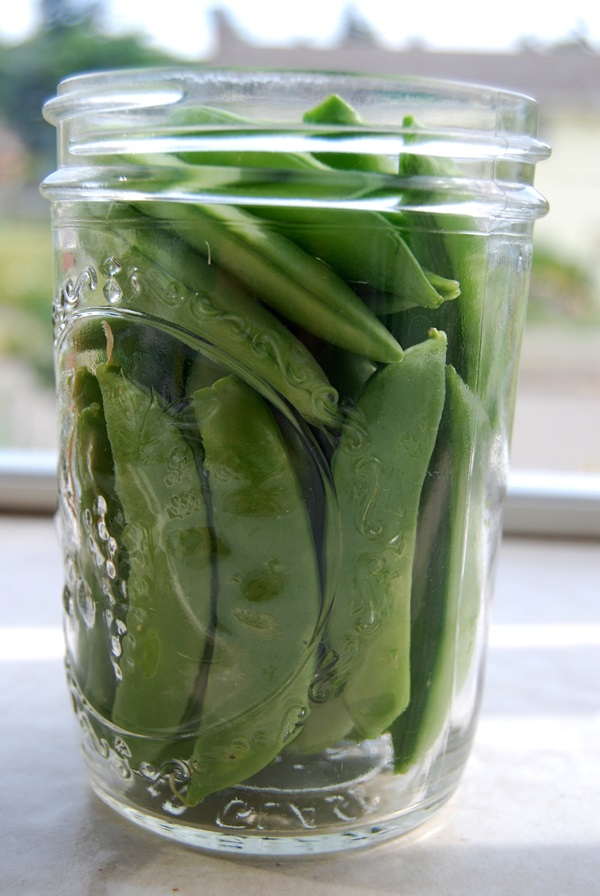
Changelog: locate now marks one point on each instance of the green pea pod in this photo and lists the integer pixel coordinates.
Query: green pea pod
(451, 247)
(360, 244)
(268, 603)
(199, 119)
(379, 469)
(448, 573)
(329, 723)
(99, 561)
(365, 248)
(335, 110)
(299, 286)
(166, 280)
(169, 547)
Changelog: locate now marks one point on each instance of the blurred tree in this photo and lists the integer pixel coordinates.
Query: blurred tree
(70, 41)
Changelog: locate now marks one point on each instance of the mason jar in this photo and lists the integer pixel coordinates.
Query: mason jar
(287, 320)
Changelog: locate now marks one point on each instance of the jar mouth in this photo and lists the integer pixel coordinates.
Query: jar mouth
(149, 117)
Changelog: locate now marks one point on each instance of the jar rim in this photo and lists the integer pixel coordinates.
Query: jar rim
(148, 117)
(470, 108)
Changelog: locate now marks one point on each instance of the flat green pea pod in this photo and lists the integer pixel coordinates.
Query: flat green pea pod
(200, 119)
(296, 283)
(448, 577)
(451, 246)
(398, 281)
(163, 278)
(334, 110)
(379, 469)
(360, 244)
(364, 248)
(169, 546)
(99, 562)
(268, 605)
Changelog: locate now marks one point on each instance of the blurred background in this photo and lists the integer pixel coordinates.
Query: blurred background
(554, 57)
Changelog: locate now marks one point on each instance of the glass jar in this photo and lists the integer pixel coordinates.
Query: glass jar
(287, 324)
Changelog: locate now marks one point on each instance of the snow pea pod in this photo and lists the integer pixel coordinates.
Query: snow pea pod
(365, 248)
(169, 547)
(360, 244)
(167, 281)
(450, 246)
(379, 469)
(298, 285)
(198, 120)
(268, 594)
(448, 574)
(99, 562)
(334, 110)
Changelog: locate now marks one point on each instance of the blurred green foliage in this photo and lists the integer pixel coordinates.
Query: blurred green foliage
(30, 71)
(26, 295)
(561, 288)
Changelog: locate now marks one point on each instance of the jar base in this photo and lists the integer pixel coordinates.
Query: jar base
(345, 798)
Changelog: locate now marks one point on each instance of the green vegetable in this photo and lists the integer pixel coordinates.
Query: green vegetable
(99, 564)
(168, 281)
(379, 469)
(199, 119)
(169, 547)
(365, 249)
(450, 246)
(269, 599)
(448, 573)
(278, 272)
(335, 110)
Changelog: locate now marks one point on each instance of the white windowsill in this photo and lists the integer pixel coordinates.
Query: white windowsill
(537, 503)
(524, 820)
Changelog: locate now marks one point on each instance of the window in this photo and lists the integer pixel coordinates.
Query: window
(556, 439)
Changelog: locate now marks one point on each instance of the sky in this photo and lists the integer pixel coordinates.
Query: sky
(183, 26)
